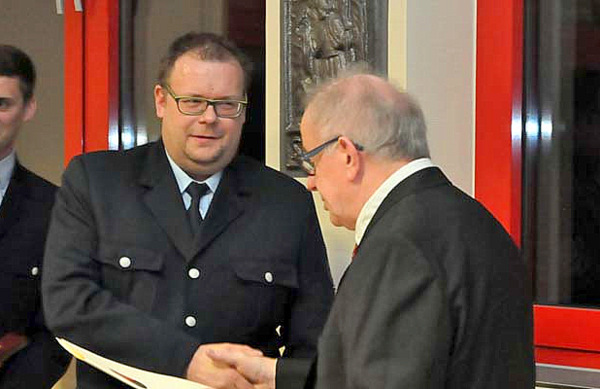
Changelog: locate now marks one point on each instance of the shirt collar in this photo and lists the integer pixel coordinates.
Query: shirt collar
(7, 165)
(372, 205)
(183, 179)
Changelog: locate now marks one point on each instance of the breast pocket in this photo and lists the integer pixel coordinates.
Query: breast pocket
(268, 287)
(132, 274)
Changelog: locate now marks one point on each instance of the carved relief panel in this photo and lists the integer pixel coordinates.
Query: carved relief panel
(320, 38)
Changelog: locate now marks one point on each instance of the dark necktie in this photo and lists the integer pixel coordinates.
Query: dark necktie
(194, 217)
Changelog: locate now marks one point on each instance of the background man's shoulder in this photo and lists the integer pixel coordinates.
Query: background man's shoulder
(111, 162)
(266, 179)
(40, 189)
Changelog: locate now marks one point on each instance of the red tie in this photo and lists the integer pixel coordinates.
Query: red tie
(354, 250)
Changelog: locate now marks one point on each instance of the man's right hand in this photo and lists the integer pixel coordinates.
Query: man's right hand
(204, 370)
(259, 370)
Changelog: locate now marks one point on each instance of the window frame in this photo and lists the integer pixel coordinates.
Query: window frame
(499, 125)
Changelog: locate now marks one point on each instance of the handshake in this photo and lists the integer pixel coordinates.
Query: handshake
(232, 366)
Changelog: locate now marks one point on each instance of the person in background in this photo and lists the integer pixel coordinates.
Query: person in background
(437, 295)
(30, 357)
(157, 251)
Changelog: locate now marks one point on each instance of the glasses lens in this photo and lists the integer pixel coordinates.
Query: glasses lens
(227, 109)
(192, 106)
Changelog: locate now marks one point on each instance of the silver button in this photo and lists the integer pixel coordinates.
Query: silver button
(35, 271)
(194, 273)
(124, 262)
(269, 277)
(190, 321)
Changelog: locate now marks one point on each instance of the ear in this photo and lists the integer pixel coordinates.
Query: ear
(353, 161)
(160, 101)
(30, 108)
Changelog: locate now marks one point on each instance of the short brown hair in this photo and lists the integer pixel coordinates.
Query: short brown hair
(209, 47)
(15, 63)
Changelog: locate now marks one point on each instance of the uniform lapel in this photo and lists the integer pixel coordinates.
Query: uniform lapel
(13, 200)
(164, 200)
(227, 205)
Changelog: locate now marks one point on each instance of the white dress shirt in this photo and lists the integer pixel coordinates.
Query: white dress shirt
(372, 205)
(183, 180)
(7, 165)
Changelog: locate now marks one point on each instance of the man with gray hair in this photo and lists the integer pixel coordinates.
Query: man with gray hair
(437, 295)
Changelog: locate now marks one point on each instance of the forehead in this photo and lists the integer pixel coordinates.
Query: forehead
(196, 75)
(9, 87)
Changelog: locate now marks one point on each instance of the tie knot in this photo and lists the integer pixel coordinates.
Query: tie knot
(196, 190)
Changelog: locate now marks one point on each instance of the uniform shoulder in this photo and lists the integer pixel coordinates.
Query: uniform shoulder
(42, 186)
(266, 179)
(34, 187)
(112, 160)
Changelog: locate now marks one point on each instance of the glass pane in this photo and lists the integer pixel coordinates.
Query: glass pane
(36, 28)
(562, 154)
(157, 23)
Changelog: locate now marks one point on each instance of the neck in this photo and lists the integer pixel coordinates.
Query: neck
(375, 172)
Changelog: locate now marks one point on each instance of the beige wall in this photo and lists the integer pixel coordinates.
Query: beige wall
(432, 52)
(440, 66)
(157, 24)
(34, 26)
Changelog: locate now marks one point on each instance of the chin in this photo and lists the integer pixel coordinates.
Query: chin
(335, 221)
(210, 163)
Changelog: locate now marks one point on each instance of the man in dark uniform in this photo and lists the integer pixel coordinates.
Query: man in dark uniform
(30, 357)
(159, 250)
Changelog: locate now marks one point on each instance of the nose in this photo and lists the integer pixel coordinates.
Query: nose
(208, 116)
(311, 184)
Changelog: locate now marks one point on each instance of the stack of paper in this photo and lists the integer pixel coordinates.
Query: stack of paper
(134, 377)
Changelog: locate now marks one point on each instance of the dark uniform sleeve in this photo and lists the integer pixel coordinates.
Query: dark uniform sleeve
(79, 309)
(313, 299)
(309, 312)
(40, 364)
(295, 373)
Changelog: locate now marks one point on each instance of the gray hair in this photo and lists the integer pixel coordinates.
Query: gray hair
(372, 112)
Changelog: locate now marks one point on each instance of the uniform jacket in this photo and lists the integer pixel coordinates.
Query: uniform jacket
(24, 217)
(436, 297)
(120, 253)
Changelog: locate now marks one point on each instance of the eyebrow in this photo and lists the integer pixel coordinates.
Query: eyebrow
(230, 97)
(213, 98)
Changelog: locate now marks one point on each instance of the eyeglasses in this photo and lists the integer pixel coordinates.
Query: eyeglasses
(304, 157)
(195, 105)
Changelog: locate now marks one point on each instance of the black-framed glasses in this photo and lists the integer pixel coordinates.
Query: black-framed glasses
(195, 105)
(305, 157)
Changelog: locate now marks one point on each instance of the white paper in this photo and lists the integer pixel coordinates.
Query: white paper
(134, 377)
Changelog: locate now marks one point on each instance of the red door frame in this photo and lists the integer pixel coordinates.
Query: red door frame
(91, 77)
(563, 336)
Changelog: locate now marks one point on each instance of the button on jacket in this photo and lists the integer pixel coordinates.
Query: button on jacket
(24, 217)
(126, 279)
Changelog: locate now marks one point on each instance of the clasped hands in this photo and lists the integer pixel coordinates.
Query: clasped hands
(232, 366)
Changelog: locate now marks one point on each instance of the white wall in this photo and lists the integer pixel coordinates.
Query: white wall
(432, 53)
(440, 66)
(34, 27)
